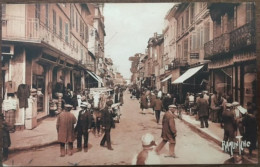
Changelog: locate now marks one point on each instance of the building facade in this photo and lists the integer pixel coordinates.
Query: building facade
(45, 46)
(207, 46)
(232, 51)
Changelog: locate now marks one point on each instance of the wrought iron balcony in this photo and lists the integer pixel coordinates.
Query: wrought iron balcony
(242, 37)
(217, 46)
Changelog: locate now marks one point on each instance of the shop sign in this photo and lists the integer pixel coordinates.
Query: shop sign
(194, 55)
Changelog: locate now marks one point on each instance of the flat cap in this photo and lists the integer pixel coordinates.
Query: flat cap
(172, 106)
(109, 103)
(84, 104)
(68, 106)
(228, 105)
(235, 103)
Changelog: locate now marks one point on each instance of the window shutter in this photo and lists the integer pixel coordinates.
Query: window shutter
(201, 37)
(54, 21)
(248, 12)
(60, 27)
(67, 32)
(206, 32)
(86, 32)
(198, 38)
(46, 15)
(185, 53)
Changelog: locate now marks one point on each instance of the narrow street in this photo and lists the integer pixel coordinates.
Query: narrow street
(126, 141)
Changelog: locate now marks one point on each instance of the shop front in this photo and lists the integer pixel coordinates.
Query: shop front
(92, 80)
(193, 80)
(235, 77)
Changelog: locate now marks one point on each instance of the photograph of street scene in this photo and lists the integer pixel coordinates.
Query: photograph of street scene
(85, 84)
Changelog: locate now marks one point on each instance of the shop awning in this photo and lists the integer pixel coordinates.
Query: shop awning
(95, 77)
(100, 79)
(189, 73)
(165, 79)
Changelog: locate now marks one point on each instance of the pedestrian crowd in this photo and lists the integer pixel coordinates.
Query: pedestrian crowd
(98, 119)
(216, 107)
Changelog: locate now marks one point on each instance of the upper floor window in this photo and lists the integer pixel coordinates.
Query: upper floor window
(66, 32)
(185, 49)
(37, 10)
(249, 11)
(81, 29)
(60, 30)
(46, 15)
(72, 16)
(206, 32)
(54, 21)
(191, 13)
(77, 22)
(182, 24)
(3, 9)
(86, 32)
(187, 19)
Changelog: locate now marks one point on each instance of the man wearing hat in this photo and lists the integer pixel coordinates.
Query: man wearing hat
(107, 123)
(169, 131)
(203, 111)
(147, 156)
(249, 121)
(65, 128)
(238, 117)
(229, 123)
(5, 138)
(83, 126)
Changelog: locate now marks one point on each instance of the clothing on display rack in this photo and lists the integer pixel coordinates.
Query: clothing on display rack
(23, 93)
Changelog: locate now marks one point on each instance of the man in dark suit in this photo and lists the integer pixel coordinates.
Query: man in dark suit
(158, 107)
(203, 111)
(229, 123)
(167, 101)
(169, 131)
(65, 128)
(107, 123)
(83, 126)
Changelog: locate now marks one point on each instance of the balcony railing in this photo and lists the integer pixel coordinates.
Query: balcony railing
(19, 28)
(242, 37)
(219, 45)
(32, 30)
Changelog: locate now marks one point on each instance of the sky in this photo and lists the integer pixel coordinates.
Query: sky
(128, 28)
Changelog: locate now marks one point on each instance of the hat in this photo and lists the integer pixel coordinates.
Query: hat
(228, 105)
(205, 91)
(235, 103)
(89, 105)
(109, 103)
(172, 106)
(68, 106)
(84, 104)
(148, 140)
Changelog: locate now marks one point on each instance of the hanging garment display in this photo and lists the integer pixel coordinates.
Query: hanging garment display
(23, 93)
